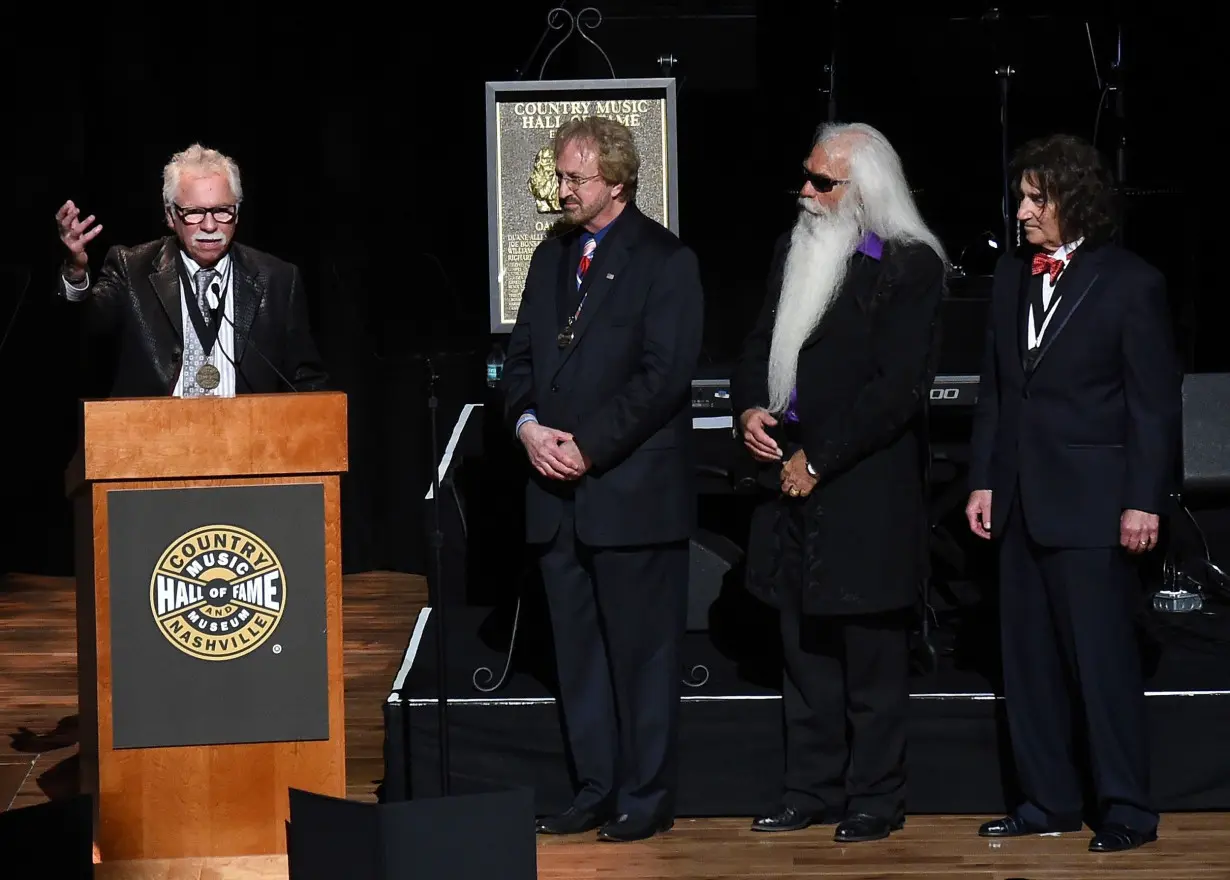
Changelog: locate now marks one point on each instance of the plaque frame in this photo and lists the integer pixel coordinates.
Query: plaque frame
(567, 88)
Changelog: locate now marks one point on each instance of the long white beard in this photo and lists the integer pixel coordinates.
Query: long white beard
(820, 249)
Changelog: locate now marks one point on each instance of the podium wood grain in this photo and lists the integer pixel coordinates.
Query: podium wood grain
(226, 800)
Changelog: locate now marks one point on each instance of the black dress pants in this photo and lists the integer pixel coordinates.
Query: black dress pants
(845, 696)
(1071, 657)
(617, 618)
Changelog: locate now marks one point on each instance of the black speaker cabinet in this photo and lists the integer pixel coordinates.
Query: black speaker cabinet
(1206, 432)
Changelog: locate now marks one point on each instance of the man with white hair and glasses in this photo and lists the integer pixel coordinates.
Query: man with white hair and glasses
(831, 391)
(194, 314)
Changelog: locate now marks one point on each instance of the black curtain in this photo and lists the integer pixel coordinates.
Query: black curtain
(362, 145)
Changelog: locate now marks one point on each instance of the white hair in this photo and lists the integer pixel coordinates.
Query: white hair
(198, 160)
(824, 239)
(884, 201)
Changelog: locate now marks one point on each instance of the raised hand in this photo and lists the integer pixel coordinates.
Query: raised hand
(75, 234)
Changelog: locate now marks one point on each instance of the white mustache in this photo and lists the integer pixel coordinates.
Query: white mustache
(208, 236)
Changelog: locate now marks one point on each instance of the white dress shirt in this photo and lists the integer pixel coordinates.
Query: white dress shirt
(1064, 253)
(223, 354)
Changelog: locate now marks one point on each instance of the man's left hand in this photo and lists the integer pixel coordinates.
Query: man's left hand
(1138, 531)
(796, 481)
(576, 457)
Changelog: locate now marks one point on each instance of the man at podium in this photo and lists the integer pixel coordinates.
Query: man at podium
(194, 314)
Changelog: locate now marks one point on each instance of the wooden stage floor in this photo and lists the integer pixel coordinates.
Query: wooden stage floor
(38, 761)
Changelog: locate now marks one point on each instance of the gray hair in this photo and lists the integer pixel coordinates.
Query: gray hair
(885, 205)
(199, 160)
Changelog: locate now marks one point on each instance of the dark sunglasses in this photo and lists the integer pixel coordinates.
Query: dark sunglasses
(821, 182)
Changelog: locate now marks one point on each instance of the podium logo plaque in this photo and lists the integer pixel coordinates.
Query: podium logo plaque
(217, 615)
(218, 592)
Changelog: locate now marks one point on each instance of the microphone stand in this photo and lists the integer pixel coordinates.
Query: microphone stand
(436, 594)
(831, 67)
(1004, 72)
(1115, 85)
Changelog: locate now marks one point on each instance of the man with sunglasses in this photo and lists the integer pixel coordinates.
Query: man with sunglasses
(194, 314)
(830, 391)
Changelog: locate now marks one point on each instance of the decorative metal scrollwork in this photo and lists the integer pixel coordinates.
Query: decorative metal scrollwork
(482, 676)
(697, 676)
(588, 19)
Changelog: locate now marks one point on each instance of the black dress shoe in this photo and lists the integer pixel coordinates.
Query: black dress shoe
(1119, 838)
(794, 819)
(626, 828)
(862, 827)
(1015, 826)
(572, 821)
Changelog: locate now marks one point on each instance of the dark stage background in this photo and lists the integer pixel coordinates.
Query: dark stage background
(361, 141)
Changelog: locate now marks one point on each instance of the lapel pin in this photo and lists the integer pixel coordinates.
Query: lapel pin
(609, 276)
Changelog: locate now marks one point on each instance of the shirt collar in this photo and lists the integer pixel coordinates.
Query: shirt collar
(597, 236)
(194, 267)
(1064, 252)
(872, 246)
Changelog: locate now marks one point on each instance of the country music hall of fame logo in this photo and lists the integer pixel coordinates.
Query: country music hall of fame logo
(218, 592)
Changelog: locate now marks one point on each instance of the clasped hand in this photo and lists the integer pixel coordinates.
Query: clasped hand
(797, 482)
(554, 454)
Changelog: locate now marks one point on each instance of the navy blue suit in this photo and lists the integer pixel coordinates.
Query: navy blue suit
(614, 544)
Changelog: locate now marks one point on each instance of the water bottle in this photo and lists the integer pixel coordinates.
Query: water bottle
(495, 366)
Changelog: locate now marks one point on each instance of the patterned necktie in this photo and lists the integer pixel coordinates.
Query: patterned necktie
(587, 256)
(203, 279)
(1047, 263)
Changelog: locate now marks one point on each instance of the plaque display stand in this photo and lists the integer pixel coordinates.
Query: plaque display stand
(227, 799)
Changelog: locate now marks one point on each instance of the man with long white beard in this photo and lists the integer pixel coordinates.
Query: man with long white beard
(831, 388)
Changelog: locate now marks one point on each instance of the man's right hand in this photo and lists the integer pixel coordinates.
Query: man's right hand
(547, 455)
(761, 445)
(75, 235)
(978, 512)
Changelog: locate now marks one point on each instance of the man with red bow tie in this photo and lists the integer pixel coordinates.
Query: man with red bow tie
(1075, 454)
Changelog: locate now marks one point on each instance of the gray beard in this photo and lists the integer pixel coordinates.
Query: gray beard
(820, 249)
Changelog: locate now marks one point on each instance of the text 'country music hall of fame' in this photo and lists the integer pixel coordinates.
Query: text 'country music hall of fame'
(523, 193)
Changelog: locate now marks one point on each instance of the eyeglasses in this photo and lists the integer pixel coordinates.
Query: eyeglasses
(574, 182)
(821, 182)
(196, 216)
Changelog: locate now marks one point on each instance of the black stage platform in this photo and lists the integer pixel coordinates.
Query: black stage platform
(731, 754)
(731, 736)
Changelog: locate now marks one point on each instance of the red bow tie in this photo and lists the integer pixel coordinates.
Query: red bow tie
(1047, 263)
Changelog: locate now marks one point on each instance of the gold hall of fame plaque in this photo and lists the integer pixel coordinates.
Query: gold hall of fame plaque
(522, 193)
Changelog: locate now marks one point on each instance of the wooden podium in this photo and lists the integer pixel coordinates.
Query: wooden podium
(158, 658)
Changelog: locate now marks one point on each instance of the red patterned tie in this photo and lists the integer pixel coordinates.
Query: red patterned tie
(1047, 263)
(587, 256)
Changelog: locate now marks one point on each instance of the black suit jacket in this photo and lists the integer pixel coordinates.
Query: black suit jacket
(136, 301)
(1093, 428)
(622, 388)
(862, 380)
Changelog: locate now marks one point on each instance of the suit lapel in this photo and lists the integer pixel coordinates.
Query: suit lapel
(603, 274)
(164, 278)
(1025, 278)
(566, 280)
(1074, 284)
(251, 286)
